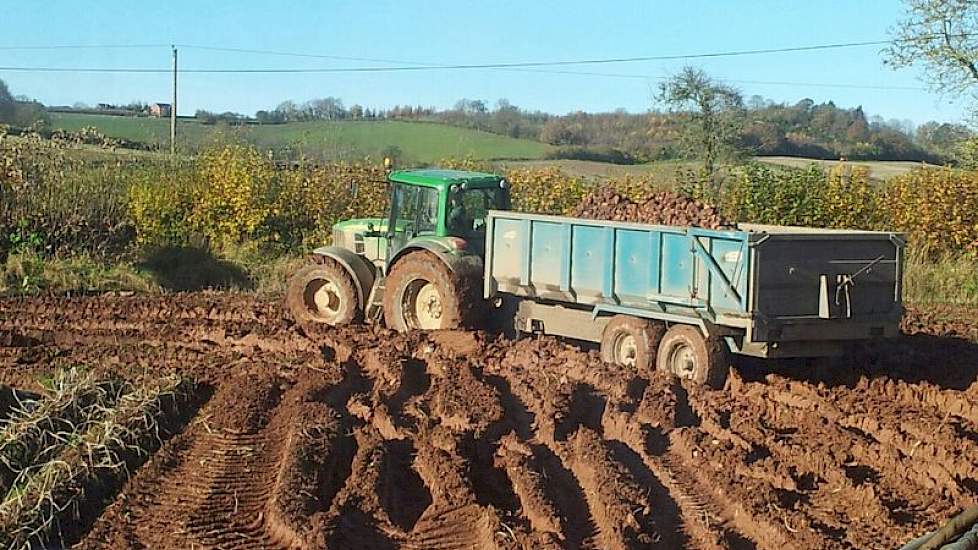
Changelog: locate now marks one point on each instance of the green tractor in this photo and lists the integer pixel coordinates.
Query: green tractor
(421, 267)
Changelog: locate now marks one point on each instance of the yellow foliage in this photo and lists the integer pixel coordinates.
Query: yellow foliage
(311, 200)
(544, 190)
(636, 188)
(159, 209)
(848, 200)
(230, 200)
(937, 208)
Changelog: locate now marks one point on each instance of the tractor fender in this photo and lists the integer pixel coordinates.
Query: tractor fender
(359, 269)
(461, 264)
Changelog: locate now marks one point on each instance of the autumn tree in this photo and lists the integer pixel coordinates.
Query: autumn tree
(941, 36)
(711, 115)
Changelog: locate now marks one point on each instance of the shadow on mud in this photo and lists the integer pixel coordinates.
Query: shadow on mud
(945, 361)
(185, 268)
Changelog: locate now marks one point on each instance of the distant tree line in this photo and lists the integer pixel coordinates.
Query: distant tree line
(18, 110)
(760, 126)
(227, 117)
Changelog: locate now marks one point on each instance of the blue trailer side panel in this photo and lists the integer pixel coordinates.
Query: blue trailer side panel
(592, 262)
(637, 266)
(677, 263)
(546, 252)
(589, 255)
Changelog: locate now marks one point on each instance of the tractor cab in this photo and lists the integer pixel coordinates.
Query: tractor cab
(443, 207)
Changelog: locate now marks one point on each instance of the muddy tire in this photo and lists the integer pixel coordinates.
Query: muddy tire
(685, 353)
(322, 293)
(423, 294)
(631, 341)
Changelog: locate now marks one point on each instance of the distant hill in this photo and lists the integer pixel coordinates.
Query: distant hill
(416, 142)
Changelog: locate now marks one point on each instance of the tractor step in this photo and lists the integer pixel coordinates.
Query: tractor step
(375, 303)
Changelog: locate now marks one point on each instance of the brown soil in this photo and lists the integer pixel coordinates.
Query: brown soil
(364, 438)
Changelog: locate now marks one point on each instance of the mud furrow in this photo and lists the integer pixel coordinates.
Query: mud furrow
(747, 516)
(685, 509)
(801, 461)
(518, 461)
(453, 520)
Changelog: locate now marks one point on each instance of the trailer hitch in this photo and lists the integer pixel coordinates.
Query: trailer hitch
(845, 281)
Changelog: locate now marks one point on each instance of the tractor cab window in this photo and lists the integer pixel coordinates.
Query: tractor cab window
(467, 209)
(414, 210)
(427, 210)
(404, 208)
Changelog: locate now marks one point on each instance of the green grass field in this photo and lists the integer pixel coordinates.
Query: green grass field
(878, 169)
(419, 142)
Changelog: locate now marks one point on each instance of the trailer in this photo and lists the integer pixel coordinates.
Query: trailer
(682, 298)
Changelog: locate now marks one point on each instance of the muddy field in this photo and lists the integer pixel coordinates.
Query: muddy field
(361, 438)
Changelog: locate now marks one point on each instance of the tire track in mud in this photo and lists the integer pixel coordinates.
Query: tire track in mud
(221, 489)
(362, 438)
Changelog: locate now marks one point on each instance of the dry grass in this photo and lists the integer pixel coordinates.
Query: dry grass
(947, 280)
(48, 493)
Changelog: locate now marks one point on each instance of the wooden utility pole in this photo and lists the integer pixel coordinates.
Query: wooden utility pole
(173, 108)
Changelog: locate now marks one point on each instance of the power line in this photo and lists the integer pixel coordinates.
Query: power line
(410, 66)
(306, 55)
(738, 81)
(396, 69)
(674, 57)
(588, 73)
(84, 47)
(415, 66)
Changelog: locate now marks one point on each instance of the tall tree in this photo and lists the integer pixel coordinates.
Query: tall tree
(711, 114)
(942, 37)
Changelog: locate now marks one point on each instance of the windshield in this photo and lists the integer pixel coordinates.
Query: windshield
(467, 209)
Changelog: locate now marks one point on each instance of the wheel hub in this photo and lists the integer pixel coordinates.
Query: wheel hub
(682, 361)
(323, 298)
(428, 307)
(626, 350)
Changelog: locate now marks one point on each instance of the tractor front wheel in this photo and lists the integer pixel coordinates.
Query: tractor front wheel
(322, 292)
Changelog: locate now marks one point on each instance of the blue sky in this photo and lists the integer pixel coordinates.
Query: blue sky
(460, 32)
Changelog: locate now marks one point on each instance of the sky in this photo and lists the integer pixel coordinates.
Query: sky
(460, 32)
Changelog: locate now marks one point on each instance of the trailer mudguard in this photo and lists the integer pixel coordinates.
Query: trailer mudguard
(359, 269)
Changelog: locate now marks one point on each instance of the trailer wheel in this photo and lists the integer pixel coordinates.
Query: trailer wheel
(686, 353)
(422, 294)
(630, 341)
(323, 293)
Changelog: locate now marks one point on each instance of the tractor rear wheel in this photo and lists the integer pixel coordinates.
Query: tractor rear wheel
(423, 294)
(322, 292)
(684, 352)
(631, 341)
